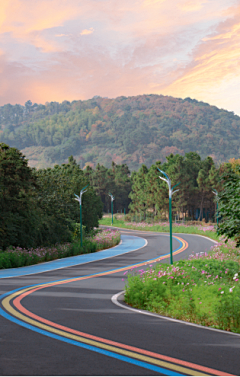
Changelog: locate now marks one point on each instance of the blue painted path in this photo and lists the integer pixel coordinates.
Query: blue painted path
(129, 243)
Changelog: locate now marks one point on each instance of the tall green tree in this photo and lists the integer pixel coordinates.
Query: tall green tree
(18, 212)
(205, 184)
(56, 189)
(229, 205)
(115, 180)
(139, 192)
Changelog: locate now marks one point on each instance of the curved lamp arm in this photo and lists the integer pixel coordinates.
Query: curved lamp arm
(79, 198)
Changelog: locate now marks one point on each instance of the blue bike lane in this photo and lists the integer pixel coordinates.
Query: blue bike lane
(128, 244)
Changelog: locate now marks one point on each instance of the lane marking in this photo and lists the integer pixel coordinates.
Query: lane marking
(89, 339)
(91, 348)
(90, 342)
(17, 303)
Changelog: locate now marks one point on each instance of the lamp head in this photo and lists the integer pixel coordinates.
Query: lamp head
(161, 171)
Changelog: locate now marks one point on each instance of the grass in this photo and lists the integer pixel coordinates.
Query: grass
(204, 229)
(205, 289)
(19, 257)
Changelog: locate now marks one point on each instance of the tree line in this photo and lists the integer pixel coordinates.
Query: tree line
(194, 200)
(37, 207)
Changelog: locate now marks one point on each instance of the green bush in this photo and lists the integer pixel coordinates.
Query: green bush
(203, 290)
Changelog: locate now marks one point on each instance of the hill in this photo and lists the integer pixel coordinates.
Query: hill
(131, 130)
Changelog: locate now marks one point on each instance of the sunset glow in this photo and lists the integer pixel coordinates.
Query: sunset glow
(55, 50)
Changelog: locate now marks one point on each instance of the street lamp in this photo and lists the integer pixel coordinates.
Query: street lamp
(79, 199)
(171, 192)
(112, 199)
(216, 193)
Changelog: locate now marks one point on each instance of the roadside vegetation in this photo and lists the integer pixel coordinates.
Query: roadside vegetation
(203, 229)
(37, 208)
(18, 257)
(204, 289)
(39, 218)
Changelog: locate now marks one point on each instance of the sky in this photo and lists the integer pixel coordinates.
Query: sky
(56, 50)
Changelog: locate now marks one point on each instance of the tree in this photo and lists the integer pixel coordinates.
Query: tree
(56, 189)
(229, 205)
(204, 182)
(18, 213)
(139, 193)
(115, 180)
(38, 207)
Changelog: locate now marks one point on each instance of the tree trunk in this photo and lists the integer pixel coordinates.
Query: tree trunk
(201, 208)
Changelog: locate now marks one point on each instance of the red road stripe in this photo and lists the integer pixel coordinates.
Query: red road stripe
(17, 303)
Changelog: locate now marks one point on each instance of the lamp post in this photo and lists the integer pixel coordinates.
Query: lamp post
(171, 192)
(112, 199)
(79, 199)
(216, 193)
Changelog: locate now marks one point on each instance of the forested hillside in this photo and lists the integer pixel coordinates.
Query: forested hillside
(132, 131)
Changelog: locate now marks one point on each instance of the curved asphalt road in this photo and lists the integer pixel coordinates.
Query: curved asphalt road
(72, 327)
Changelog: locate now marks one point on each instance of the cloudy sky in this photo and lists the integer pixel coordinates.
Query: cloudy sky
(55, 50)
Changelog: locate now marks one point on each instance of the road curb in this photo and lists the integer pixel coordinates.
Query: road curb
(118, 299)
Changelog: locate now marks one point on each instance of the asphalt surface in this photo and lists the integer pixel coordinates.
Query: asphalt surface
(84, 305)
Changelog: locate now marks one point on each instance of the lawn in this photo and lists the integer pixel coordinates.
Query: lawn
(201, 228)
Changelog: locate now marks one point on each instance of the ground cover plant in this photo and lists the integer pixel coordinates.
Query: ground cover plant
(17, 257)
(205, 289)
(203, 229)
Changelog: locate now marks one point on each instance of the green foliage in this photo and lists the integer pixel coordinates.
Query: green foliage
(115, 180)
(38, 207)
(60, 212)
(18, 212)
(194, 199)
(17, 257)
(133, 130)
(21, 257)
(203, 290)
(161, 227)
(229, 205)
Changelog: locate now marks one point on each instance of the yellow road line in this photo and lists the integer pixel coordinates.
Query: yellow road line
(9, 308)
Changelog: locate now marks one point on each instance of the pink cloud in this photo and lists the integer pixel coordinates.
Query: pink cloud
(87, 31)
(215, 61)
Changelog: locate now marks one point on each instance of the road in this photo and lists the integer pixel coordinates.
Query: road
(63, 322)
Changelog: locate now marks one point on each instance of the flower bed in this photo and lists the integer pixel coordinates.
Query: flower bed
(18, 257)
(204, 289)
(106, 238)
